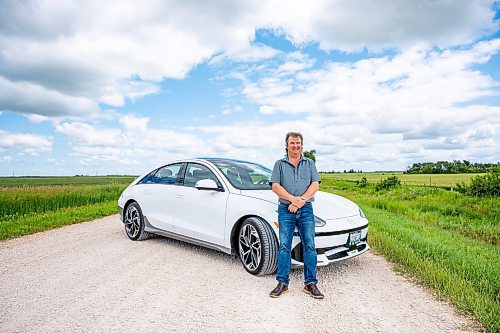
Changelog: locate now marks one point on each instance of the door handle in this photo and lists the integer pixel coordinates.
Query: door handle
(145, 192)
(179, 196)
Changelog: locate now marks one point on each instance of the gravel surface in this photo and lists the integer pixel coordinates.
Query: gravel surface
(90, 277)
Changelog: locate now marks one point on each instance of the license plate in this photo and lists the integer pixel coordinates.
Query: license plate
(355, 237)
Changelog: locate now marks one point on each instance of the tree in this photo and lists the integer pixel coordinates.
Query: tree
(310, 154)
(481, 186)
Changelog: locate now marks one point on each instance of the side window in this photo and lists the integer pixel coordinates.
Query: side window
(166, 175)
(234, 176)
(148, 179)
(195, 172)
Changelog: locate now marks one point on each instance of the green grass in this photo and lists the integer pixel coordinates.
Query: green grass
(32, 223)
(18, 201)
(455, 267)
(446, 241)
(64, 181)
(29, 205)
(439, 180)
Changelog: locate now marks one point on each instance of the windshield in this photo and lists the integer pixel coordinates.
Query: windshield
(245, 175)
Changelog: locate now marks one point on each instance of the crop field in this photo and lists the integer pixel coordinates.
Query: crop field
(439, 180)
(442, 239)
(33, 204)
(64, 181)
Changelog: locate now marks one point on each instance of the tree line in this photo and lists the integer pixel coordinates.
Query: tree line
(439, 167)
(456, 166)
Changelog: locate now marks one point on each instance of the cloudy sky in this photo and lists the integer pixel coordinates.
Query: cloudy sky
(117, 87)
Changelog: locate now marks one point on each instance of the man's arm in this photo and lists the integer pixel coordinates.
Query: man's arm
(283, 194)
(311, 191)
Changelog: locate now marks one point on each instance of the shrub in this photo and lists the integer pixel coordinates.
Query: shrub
(482, 186)
(387, 183)
(363, 182)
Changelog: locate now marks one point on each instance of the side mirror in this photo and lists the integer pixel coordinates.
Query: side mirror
(206, 184)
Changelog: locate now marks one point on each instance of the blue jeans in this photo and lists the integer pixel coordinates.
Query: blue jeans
(304, 220)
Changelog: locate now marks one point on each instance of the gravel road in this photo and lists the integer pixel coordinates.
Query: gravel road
(90, 277)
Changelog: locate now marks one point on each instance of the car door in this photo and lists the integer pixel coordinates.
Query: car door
(200, 214)
(157, 196)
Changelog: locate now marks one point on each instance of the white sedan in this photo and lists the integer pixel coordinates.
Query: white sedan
(228, 205)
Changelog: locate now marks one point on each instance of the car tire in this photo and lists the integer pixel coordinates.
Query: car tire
(134, 222)
(257, 247)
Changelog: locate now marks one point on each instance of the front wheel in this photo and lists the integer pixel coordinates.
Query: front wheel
(258, 247)
(134, 222)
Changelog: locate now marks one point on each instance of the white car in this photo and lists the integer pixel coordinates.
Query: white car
(228, 205)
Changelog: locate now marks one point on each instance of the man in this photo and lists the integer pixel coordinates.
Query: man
(295, 180)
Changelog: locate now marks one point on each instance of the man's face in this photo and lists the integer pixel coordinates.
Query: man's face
(294, 146)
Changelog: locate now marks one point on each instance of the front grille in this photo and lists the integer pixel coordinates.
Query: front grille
(345, 253)
(298, 255)
(333, 233)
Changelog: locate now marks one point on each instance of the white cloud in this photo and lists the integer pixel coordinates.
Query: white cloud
(266, 109)
(63, 58)
(89, 52)
(354, 25)
(83, 132)
(249, 53)
(134, 123)
(30, 98)
(295, 62)
(132, 144)
(36, 118)
(229, 110)
(419, 103)
(25, 143)
(408, 92)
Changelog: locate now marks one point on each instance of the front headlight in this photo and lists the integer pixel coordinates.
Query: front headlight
(319, 222)
(361, 213)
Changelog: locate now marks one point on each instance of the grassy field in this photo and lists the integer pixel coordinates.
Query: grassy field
(29, 205)
(444, 240)
(64, 181)
(439, 180)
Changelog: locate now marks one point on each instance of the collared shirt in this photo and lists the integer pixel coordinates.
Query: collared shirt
(295, 180)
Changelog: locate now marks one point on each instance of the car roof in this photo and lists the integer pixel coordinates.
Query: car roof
(222, 159)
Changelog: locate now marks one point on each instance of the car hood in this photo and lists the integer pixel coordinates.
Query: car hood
(327, 206)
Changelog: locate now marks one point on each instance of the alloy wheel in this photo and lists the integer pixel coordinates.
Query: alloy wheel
(250, 247)
(132, 221)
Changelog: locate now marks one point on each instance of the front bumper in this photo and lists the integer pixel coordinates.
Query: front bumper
(332, 247)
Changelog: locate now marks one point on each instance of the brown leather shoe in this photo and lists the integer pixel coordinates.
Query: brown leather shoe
(280, 289)
(313, 291)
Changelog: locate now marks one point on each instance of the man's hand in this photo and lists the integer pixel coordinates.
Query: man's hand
(298, 202)
(295, 202)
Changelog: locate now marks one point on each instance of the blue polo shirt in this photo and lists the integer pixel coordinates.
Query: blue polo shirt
(295, 180)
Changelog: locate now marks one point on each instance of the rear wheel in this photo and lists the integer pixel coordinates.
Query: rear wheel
(134, 222)
(258, 247)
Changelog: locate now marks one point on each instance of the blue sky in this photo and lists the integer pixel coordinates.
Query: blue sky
(117, 88)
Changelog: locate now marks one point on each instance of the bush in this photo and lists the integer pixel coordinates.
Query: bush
(389, 182)
(482, 186)
(363, 182)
